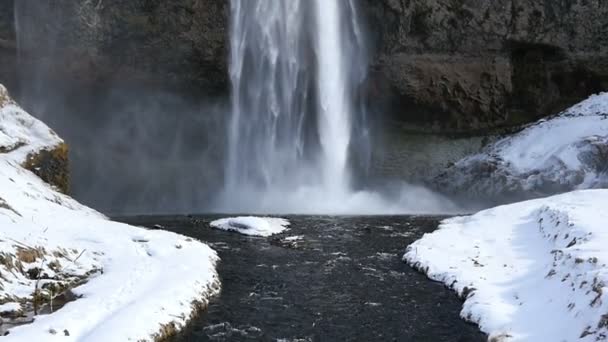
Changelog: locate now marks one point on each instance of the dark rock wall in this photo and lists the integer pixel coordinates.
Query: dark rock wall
(136, 88)
(7, 44)
(437, 65)
(462, 65)
(139, 76)
(173, 43)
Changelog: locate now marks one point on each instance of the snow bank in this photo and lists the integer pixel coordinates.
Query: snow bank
(20, 133)
(251, 225)
(566, 152)
(530, 271)
(128, 283)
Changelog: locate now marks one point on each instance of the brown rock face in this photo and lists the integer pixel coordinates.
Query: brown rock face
(173, 43)
(438, 65)
(462, 65)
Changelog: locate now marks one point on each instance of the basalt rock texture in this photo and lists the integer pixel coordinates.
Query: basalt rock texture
(463, 65)
(436, 65)
(174, 43)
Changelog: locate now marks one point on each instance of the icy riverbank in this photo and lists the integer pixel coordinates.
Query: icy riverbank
(125, 283)
(530, 271)
(566, 152)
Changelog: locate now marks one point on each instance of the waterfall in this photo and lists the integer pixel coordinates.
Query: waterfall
(37, 24)
(296, 140)
(334, 102)
(295, 68)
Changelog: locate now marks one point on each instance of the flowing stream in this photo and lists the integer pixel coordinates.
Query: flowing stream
(325, 279)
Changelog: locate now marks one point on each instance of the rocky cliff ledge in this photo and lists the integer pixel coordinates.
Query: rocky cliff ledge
(174, 43)
(437, 65)
(49, 161)
(475, 64)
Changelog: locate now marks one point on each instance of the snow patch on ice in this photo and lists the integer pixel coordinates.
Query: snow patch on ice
(530, 271)
(252, 225)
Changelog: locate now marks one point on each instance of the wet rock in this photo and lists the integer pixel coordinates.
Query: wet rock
(495, 181)
(489, 178)
(594, 154)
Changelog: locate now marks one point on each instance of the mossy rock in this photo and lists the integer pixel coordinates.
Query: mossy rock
(5, 98)
(52, 166)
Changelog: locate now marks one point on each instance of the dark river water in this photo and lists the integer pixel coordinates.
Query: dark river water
(341, 280)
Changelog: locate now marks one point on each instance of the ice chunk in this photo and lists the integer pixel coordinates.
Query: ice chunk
(252, 225)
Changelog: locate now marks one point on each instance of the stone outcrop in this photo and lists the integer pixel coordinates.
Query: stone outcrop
(464, 65)
(52, 166)
(47, 161)
(436, 65)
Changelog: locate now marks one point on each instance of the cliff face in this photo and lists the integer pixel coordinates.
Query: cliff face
(442, 65)
(463, 65)
(175, 43)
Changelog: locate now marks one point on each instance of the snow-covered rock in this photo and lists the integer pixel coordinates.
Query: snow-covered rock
(252, 225)
(128, 283)
(530, 271)
(566, 152)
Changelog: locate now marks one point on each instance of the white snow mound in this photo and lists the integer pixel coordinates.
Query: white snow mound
(530, 271)
(252, 225)
(566, 152)
(128, 283)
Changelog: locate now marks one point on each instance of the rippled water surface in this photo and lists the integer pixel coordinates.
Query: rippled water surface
(326, 279)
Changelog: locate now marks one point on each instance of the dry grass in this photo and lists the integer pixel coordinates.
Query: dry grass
(169, 330)
(52, 166)
(51, 284)
(5, 205)
(29, 255)
(5, 98)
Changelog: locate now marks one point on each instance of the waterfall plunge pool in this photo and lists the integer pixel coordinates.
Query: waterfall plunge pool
(324, 279)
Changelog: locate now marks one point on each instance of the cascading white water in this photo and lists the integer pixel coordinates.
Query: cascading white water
(334, 102)
(298, 120)
(297, 137)
(295, 67)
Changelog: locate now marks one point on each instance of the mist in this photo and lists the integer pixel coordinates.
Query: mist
(140, 144)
